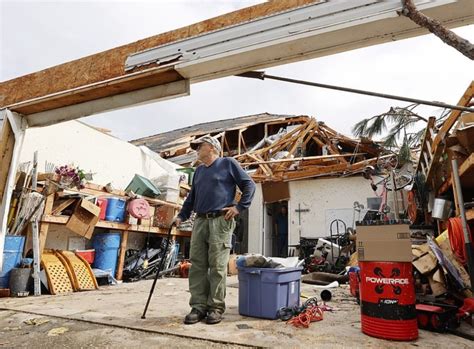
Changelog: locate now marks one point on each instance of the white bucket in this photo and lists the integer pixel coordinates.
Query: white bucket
(441, 209)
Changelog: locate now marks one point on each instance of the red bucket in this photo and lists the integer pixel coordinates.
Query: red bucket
(387, 299)
(88, 255)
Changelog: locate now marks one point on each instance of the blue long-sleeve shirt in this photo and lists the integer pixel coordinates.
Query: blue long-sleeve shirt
(214, 188)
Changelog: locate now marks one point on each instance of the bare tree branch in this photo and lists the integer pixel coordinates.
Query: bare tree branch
(434, 26)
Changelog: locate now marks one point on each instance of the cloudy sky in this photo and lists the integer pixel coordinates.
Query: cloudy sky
(35, 35)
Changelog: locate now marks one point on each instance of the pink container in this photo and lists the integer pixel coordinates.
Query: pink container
(139, 208)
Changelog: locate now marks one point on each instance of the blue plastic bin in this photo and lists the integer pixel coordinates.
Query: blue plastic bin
(115, 210)
(263, 291)
(12, 252)
(106, 247)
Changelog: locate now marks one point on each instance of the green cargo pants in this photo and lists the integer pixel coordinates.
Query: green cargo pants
(210, 249)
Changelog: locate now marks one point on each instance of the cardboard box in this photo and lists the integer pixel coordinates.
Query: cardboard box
(84, 218)
(384, 243)
(424, 261)
(148, 222)
(392, 232)
(437, 283)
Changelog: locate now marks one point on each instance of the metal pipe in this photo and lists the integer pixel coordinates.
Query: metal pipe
(262, 76)
(467, 237)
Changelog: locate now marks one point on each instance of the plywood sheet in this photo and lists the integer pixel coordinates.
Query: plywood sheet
(110, 64)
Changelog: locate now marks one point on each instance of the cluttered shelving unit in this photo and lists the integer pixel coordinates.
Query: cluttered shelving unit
(59, 202)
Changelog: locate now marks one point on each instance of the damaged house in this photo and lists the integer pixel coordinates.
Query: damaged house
(297, 162)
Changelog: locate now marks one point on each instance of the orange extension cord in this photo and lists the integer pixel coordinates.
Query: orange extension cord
(456, 238)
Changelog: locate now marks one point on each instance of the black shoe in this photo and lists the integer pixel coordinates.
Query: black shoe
(213, 317)
(194, 317)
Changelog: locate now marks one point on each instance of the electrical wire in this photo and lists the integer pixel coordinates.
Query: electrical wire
(456, 239)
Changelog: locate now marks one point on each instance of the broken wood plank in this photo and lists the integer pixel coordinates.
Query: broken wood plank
(306, 158)
(466, 173)
(438, 141)
(62, 206)
(109, 64)
(7, 143)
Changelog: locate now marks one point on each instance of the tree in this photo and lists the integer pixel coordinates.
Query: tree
(399, 121)
(462, 45)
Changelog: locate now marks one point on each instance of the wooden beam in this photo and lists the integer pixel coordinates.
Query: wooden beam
(63, 205)
(121, 260)
(466, 174)
(425, 141)
(116, 226)
(440, 137)
(239, 143)
(44, 226)
(470, 214)
(307, 158)
(7, 143)
(99, 190)
(109, 65)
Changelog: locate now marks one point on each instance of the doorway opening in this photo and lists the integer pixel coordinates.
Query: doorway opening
(276, 229)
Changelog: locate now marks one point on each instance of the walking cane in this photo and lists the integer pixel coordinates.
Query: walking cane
(160, 268)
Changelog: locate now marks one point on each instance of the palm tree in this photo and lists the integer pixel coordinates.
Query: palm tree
(398, 121)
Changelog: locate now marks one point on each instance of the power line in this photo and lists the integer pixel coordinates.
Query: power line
(262, 76)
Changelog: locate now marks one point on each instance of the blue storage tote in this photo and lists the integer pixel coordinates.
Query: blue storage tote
(12, 251)
(263, 291)
(115, 211)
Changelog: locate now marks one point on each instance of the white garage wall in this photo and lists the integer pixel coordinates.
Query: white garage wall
(255, 238)
(319, 195)
(109, 158)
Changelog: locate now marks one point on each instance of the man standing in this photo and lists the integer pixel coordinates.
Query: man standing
(212, 199)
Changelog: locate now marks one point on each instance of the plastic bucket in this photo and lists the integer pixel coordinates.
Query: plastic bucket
(106, 247)
(441, 209)
(88, 255)
(20, 280)
(11, 257)
(115, 210)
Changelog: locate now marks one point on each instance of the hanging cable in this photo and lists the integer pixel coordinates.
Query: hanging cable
(261, 75)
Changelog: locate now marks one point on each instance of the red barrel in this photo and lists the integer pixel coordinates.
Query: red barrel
(387, 300)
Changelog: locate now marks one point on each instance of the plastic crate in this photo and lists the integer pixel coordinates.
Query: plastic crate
(143, 186)
(263, 291)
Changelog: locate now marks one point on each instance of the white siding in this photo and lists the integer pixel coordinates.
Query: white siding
(109, 158)
(255, 231)
(319, 195)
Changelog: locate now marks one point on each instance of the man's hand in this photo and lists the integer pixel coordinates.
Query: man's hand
(230, 212)
(177, 221)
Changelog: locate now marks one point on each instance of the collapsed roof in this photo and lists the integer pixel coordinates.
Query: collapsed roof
(273, 147)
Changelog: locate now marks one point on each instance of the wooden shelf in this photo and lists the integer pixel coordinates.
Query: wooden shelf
(470, 214)
(466, 173)
(118, 226)
(185, 186)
